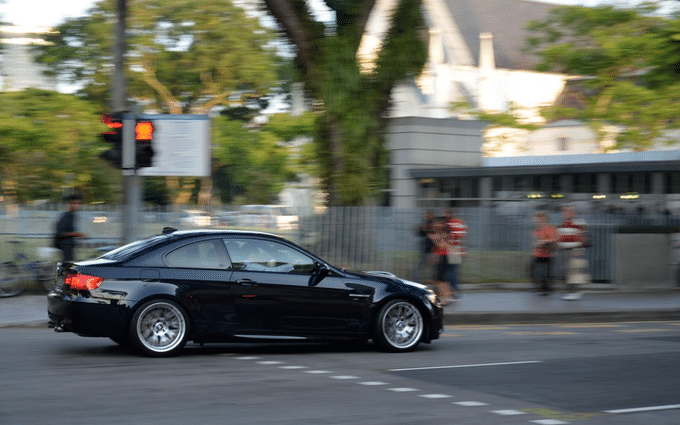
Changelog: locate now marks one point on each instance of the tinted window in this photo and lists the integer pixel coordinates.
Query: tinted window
(131, 249)
(199, 255)
(268, 256)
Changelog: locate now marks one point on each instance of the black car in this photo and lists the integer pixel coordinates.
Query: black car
(219, 286)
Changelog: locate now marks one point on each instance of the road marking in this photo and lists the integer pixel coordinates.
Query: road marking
(247, 358)
(508, 412)
(642, 330)
(317, 372)
(402, 390)
(293, 367)
(470, 403)
(268, 362)
(590, 325)
(372, 383)
(644, 409)
(433, 396)
(464, 365)
(344, 377)
(549, 422)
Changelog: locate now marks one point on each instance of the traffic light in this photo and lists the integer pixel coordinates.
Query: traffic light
(143, 143)
(114, 137)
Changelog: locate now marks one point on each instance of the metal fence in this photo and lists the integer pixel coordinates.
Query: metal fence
(361, 238)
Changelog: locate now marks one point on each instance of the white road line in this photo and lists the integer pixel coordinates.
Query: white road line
(435, 396)
(470, 403)
(508, 412)
(268, 362)
(372, 383)
(317, 372)
(293, 367)
(549, 422)
(345, 377)
(464, 365)
(402, 390)
(644, 409)
(247, 358)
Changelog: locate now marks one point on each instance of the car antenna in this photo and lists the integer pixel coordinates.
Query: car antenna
(167, 230)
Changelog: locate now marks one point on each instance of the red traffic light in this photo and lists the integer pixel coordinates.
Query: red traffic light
(144, 130)
(112, 122)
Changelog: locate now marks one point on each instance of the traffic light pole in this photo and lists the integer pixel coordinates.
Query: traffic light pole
(131, 181)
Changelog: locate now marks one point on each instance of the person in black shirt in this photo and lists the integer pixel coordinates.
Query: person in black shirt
(66, 230)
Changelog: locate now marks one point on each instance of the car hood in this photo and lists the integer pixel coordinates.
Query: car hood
(387, 277)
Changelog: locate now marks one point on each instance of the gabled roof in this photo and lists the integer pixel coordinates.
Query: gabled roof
(506, 20)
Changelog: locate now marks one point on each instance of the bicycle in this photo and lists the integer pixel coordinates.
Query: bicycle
(15, 274)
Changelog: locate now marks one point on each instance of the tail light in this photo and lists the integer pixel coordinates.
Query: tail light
(79, 281)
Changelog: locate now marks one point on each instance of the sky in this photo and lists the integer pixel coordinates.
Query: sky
(50, 13)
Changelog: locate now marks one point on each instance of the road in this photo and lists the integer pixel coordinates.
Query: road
(618, 373)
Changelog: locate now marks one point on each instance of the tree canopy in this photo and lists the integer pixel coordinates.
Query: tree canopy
(48, 142)
(183, 56)
(628, 64)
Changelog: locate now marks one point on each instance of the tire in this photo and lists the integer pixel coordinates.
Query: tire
(11, 280)
(159, 328)
(398, 326)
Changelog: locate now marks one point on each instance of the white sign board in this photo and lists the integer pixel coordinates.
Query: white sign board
(181, 145)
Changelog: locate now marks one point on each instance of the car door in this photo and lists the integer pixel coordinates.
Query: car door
(201, 271)
(273, 294)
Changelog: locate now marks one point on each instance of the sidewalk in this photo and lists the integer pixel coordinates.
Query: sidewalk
(505, 304)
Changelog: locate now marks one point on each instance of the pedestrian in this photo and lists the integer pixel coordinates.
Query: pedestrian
(544, 248)
(424, 269)
(457, 232)
(572, 236)
(66, 232)
(439, 259)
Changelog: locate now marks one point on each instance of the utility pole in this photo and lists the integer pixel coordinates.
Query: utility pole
(131, 182)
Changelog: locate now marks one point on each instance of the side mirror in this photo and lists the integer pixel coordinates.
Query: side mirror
(321, 270)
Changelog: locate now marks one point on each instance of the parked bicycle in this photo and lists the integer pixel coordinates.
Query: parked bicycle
(16, 274)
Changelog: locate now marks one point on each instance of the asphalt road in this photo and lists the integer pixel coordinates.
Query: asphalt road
(604, 373)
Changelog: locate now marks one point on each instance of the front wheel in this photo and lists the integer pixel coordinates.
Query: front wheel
(398, 326)
(159, 328)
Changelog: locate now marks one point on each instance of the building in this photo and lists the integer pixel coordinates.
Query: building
(441, 157)
(17, 68)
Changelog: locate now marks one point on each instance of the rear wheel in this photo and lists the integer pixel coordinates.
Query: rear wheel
(398, 326)
(11, 280)
(159, 328)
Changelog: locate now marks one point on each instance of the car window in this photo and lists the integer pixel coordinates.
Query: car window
(267, 256)
(199, 255)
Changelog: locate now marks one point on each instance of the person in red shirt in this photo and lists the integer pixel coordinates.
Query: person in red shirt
(544, 248)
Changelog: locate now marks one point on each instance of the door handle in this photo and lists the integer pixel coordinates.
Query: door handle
(246, 282)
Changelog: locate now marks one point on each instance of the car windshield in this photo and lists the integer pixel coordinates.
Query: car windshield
(132, 248)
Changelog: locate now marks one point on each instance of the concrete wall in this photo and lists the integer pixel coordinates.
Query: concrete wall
(416, 142)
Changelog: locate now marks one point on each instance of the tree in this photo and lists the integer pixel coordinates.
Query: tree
(628, 60)
(183, 56)
(49, 141)
(352, 106)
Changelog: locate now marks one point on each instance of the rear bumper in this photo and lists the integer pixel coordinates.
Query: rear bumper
(87, 316)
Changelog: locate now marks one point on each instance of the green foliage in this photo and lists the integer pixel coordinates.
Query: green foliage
(253, 164)
(182, 56)
(629, 60)
(48, 142)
